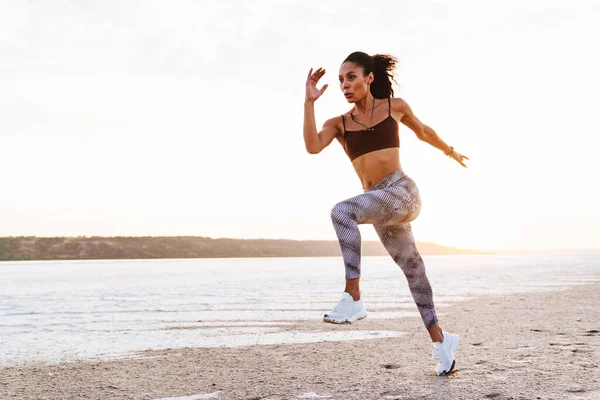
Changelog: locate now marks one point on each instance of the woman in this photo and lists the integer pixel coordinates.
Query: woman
(369, 135)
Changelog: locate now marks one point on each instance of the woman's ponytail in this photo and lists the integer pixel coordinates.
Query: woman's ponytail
(383, 69)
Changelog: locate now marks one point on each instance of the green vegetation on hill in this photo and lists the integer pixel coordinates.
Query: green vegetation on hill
(96, 248)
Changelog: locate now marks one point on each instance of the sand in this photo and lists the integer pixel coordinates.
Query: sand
(521, 346)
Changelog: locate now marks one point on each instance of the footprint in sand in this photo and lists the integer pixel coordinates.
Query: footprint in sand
(313, 395)
(203, 396)
(393, 395)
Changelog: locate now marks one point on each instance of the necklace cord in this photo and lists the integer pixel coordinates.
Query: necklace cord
(367, 128)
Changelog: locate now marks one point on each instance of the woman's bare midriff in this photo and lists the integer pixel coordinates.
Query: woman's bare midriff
(376, 165)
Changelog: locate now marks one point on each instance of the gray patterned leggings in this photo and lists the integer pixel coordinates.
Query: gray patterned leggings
(390, 205)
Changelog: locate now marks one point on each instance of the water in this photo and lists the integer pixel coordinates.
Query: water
(61, 311)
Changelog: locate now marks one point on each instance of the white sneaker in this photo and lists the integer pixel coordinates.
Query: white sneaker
(346, 311)
(445, 353)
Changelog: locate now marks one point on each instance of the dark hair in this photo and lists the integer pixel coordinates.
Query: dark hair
(382, 66)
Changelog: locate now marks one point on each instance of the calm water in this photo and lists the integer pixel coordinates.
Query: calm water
(59, 311)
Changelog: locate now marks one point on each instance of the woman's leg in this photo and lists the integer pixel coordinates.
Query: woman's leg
(373, 207)
(400, 244)
(353, 288)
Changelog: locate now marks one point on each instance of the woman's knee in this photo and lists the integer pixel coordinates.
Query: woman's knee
(412, 266)
(339, 212)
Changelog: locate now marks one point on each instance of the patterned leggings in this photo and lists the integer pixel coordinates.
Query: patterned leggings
(390, 205)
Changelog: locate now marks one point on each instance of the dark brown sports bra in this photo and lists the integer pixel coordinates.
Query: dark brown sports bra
(381, 136)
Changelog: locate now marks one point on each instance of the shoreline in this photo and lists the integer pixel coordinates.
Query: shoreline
(530, 345)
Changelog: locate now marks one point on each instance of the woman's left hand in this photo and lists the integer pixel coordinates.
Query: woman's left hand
(459, 157)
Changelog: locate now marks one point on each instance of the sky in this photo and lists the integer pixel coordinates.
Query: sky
(156, 118)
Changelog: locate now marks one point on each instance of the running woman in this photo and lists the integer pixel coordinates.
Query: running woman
(368, 134)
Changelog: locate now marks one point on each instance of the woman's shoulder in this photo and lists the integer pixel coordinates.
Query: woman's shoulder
(398, 104)
(400, 108)
(336, 122)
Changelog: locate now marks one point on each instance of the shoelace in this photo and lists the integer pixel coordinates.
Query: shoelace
(434, 353)
(340, 304)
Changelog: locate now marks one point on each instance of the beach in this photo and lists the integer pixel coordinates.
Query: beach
(177, 219)
(542, 345)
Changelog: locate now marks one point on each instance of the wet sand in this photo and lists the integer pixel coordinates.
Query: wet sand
(523, 346)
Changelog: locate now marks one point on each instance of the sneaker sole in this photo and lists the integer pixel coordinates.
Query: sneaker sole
(352, 319)
(455, 340)
(450, 370)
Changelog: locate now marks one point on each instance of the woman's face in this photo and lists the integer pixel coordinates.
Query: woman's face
(353, 82)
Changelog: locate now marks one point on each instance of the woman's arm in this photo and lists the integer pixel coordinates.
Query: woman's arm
(316, 142)
(424, 132)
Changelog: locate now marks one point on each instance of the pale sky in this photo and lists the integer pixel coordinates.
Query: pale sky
(185, 118)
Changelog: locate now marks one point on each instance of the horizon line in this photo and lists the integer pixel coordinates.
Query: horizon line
(503, 250)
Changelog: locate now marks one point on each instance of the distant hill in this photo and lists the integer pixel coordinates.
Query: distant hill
(95, 247)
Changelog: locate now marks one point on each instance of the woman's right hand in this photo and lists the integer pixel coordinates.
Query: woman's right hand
(312, 93)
